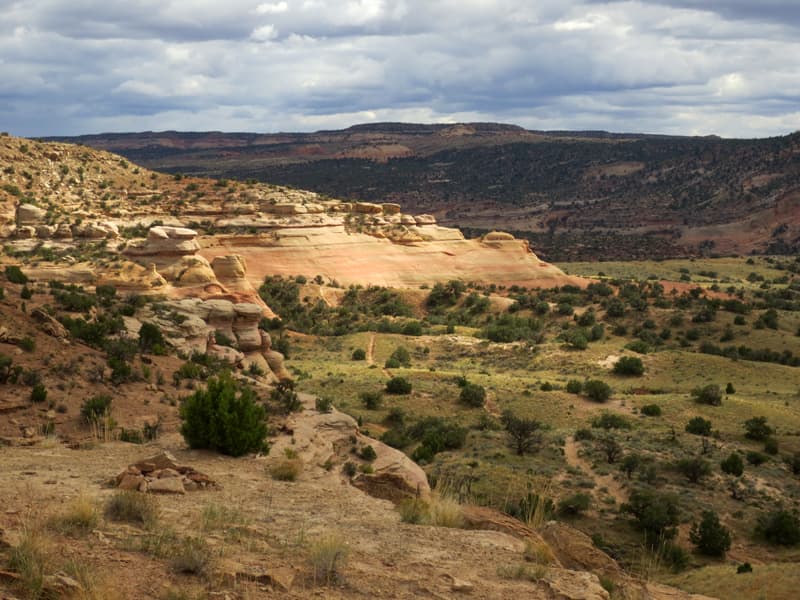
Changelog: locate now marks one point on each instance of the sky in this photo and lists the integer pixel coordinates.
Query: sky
(689, 67)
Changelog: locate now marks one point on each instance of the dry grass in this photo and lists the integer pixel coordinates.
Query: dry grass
(217, 517)
(288, 469)
(79, 517)
(444, 511)
(538, 552)
(327, 556)
(133, 507)
(30, 559)
(523, 572)
(191, 556)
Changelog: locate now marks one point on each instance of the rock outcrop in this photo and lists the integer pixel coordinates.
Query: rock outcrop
(161, 474)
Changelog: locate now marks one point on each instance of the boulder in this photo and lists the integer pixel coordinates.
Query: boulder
(25, 232)
(408, 220)
(45, 232)
(390, 208)
(368, 208)
(96, 230)
(166, 485)
(130, 481)
(425, 220)
(286, 209)
(245, 326)
(229, 267)
(165, 241)
(498, 236)
(28, 214)
(220, 316)
(63, 231)
(162, 460)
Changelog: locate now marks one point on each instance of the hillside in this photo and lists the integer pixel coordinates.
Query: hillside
(575, 195)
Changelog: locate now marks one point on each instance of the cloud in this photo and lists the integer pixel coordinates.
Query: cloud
(671, 66)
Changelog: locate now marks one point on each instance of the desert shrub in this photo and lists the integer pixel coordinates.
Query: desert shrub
(15, 275)
(368, 453)
(327, 556)
(323, 405)
(710, 536)
(733, 465)
(779, 527)
(151, 340)
(794, 463)
(6, 368)
(96, 407)
(609, 420)
(391, 363)
(412, 510)
(597, 390)
(546, 386)
(710, 394)
(729, 389)
(694, 469)
(574, 505)
(651, 410)
(401, 357)
(574, 386)
(359, 354)
(510, 328)
(675, 556)
(524, 435)
(583, 434)
(191, 556)
(79, 517)
(398, 385)
(630, 463)
(576, 338)
(224, 417)
(38, 393)
(27, 344)
(771, 446)
(756, 458)
(656, 515)
(349, 468)
(638, 346)
(757, 429)
(286, 398)
(287, 469)
(744, 568)
(371, 400)
(132, 507)
(472, 395)
(629, 365)
(435, 435)
(699, 426)
(412, 328)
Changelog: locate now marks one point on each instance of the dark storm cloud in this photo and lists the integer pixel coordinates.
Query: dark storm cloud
(674, 66)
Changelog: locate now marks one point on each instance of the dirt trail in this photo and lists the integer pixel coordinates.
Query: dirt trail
(602, 481)
(371, 350)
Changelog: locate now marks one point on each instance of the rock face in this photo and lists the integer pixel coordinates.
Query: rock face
(163, 241)
(28, 214)
(326, 438)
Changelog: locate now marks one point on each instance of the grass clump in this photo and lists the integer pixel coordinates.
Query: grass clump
(327, 556)
(132, 507)
(191, 556)
(78, 518)
(29, 559)
(288, 469)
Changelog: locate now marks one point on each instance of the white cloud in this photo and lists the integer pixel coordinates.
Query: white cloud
(671, 66)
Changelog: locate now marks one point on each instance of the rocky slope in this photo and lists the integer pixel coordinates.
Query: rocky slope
(54, 198)
(579, 195)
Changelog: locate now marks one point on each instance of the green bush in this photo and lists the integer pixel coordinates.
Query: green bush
(657, 515)
(371, 400)
(524, 435)
(780, 527)
(574, 505)
(95, 408)
(28, 344)
(597, 390)
(609, 420)
(472, 395)
(629, 365)
(651, 410)
(15, 275)
(756, 458)
(710, 394)
(771, 446)
(698, 426)
(359, 354)
(435, 435)
(694, 469)
(38, 393)
(323, 405)
(574, 386)
(151, 340)
(733, 465)
(224, 417)
(757, 429)
(710, 536)
(398, 385)
(402, 356)
(391, 363)
(368, 453)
